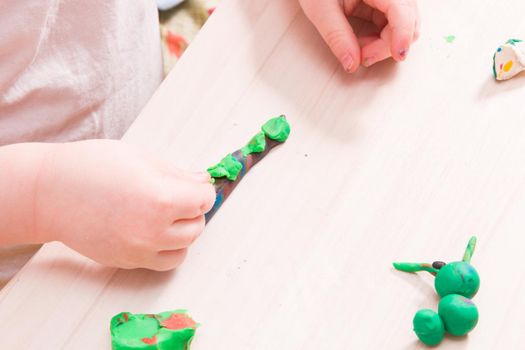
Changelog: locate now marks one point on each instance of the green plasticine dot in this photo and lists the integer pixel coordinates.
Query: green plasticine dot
(172, 330)
(450, 38)
(228, 167)
(459, 314)
(256, 145)
(457, 277)
(429, 327)
(277, 129)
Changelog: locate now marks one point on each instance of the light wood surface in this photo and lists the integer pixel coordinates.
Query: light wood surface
(398, 162)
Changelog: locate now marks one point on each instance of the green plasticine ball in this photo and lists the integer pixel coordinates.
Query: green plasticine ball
(457, 278)
(459, 314)
(429, 327)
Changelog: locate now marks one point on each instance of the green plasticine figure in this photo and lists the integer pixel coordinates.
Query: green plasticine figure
(455, 282)
(458, 277)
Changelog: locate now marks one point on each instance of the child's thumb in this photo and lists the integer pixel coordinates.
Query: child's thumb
(329, 19)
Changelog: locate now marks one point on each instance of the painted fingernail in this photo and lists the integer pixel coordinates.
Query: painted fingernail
(367, 62)
(403, 53)
(348, 62)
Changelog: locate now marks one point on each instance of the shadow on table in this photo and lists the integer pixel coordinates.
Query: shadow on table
(334, 88)
(492, 87)
(418, 282)
(93, 273)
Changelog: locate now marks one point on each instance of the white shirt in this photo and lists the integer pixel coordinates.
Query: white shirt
(72, 70)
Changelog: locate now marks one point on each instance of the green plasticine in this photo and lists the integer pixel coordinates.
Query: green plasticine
(172, 330)
(414, 267)
(228, 167)
(256, 145)
(459, 314)
(513, 41)
(450, 38)
(457, 277)
(429, 327)
(277, 129)
(469, 251)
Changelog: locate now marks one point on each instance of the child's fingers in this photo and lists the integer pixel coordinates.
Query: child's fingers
(379, 19)
(378, 49)
(181, 234)
(167, 260)
(191, 200)
(329, 19)
(402, 16)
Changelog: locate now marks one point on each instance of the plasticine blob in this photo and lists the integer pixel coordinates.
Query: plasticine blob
(171, 330)
(509, 59)
(429, 327)
(459, 314)
(458, 277)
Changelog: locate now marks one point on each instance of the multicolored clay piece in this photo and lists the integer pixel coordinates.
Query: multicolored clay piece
(509, 59)
(170, 330)
(455, 282)
(227, 174)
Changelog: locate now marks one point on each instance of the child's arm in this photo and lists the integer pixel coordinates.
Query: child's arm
(397, 20)
(106, 199)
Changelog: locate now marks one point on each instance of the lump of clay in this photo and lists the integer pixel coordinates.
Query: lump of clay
(459, 314)
(509, 59)
(172, 330)
(429, 327)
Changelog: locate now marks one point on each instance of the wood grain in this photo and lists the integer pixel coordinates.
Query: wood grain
(397, 162)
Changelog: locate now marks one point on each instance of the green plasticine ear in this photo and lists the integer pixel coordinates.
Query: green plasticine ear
(415, 267)
(469, 251)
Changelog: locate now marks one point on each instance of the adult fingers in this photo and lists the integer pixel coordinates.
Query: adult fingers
(329, 19)
(401, 15)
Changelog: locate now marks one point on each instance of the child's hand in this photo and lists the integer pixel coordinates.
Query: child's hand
(119, 206)
(398, 21)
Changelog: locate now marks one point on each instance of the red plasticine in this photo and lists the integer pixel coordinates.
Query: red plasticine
(150, 341)
(178, 321)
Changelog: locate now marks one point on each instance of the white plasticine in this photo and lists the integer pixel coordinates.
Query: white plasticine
(509, 59)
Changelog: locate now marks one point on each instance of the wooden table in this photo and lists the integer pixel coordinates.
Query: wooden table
(398, 162)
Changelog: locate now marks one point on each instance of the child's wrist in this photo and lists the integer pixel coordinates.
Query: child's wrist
(19, 210)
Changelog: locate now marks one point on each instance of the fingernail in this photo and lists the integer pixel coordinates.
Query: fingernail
(201, 176)
(403, 54)
(367, 62)
(348, 62)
